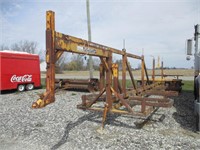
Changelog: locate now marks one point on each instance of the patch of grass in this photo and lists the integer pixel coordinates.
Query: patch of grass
(188, 86)
(128, 83)
(43, 83)
(73, 94)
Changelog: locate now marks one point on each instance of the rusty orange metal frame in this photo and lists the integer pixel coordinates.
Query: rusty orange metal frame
(113, 96)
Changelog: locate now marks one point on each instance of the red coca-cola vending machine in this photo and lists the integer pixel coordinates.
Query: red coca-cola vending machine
(19, 70)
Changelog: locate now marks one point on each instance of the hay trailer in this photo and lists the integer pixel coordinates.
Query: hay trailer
(113, 96)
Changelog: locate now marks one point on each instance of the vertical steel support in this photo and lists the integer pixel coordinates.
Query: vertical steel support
(108, 104)
(102, 77)
(143, 106)
(109, 81)
(50, 56)
(142, 70)
(49, 96)
(131, 75)
(162, 74)
(153, 70)
(124, 59)
(115, 77)
(146, 73)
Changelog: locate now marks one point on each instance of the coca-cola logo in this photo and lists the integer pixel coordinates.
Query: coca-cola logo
(24, 78)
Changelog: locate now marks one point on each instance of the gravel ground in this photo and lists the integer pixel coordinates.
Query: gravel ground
(62, 126)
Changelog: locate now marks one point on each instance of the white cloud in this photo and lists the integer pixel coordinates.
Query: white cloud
(158, 27)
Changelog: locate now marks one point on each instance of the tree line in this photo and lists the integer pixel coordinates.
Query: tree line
(75, 62)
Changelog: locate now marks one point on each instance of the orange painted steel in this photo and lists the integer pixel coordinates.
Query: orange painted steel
(113, 96)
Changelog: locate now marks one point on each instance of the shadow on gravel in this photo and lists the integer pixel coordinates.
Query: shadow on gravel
(184, 114)
(72, 125)
(14, 91)
(111, 120)
(97, 117)
(8, 92)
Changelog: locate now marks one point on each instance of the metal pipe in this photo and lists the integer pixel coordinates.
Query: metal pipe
(124, 59)
(162, 74)
(153, 70)
(142, 70)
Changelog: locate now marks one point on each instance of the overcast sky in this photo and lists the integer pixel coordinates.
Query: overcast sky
(158, 27)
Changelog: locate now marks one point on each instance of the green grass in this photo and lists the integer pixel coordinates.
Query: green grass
(188, 86)
(43, 83)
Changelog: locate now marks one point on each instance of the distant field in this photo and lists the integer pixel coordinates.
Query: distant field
(184, 72)
(188, 85)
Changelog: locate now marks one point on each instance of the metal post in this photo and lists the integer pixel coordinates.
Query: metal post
(50, 56)
(197, 76)
(153, 70)
(115, 77)
(109, 81)
(131, 75)
(108, 104)
(142, 71)
(124, 72)
(102, 77)
(89, 37)
(49, 96)
(162, 74)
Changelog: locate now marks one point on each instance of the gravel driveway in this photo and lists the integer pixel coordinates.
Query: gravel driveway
(62, 126)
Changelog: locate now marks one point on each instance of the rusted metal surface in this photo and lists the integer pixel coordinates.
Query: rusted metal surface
(153, 70)
(49, 95)
(113, 96)
(169, 84)
(90, 85)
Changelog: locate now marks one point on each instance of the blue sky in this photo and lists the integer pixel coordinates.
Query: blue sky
(159, 27)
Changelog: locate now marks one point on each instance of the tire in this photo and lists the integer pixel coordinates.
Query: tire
(29, 87)
(21, 88)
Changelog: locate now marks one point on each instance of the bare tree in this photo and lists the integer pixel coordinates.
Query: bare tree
(76, 63)
(62, 61)
(4, 47)
(42, 54)
(25, 46)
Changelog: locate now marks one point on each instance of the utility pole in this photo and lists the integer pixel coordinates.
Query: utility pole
(89, 37)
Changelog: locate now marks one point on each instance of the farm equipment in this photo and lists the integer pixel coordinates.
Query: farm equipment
(171, 84)
(91, 84)
(113, 96)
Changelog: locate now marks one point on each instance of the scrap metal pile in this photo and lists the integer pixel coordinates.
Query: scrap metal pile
(113, 96)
